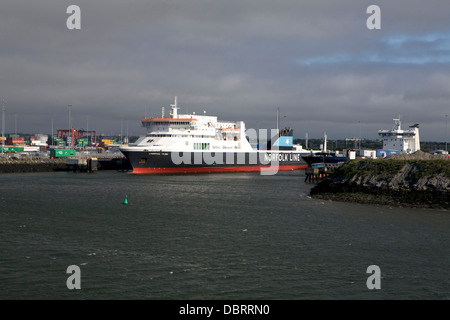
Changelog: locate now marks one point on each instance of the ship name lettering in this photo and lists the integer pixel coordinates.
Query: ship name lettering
(278, 157)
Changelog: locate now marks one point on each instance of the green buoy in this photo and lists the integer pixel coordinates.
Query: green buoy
(126, 200)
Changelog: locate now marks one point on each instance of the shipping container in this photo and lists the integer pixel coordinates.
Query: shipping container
(11, 149)
(82, 142)
(15, 140)
(59, 153)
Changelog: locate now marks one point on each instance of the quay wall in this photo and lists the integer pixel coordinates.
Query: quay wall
(17, 165)
(11, 165)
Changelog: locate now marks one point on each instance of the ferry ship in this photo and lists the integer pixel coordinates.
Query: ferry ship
(190, 143)
(401, 140)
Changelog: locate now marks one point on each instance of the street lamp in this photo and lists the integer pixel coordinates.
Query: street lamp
(70, 129)
(3, 126)
(70, 126)
(446, 121)
(359, 122)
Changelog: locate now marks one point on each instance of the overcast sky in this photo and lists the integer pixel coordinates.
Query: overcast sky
(240, 60)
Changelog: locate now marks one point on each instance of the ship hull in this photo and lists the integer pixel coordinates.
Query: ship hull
(324, 159)
(145, 162)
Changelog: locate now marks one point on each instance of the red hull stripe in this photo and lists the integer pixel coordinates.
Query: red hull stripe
(216, 169)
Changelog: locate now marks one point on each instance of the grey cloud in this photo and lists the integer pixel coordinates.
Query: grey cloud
(235, 59)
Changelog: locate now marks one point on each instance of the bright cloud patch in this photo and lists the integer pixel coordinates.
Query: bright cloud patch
(396, 49)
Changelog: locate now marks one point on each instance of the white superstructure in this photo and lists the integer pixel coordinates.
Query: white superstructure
(405, 141)
(191, 132)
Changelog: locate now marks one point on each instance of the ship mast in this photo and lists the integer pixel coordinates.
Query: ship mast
(174, 109)
(397, 124)
(278, 120)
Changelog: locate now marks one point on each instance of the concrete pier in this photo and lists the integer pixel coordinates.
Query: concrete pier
(82, 164)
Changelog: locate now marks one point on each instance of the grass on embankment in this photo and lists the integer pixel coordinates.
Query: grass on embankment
(390, 167)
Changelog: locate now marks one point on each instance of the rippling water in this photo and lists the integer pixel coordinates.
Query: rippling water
(210, 236)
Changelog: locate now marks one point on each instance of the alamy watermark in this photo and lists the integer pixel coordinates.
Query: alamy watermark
(74, 280)
(374, 21)
(373, 281)
(74, 20)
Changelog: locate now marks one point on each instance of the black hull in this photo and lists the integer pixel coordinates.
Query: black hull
(183, 162)
(324, 159)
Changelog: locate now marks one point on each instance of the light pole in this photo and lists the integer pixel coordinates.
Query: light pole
(3, 126)
(359, 122)
(70, 128)
(70, 125)
(87, 130)
(121, 129)
(446, 121)
(52, 141)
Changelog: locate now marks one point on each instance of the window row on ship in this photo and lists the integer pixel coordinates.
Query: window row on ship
(178, 135)
(165, 123)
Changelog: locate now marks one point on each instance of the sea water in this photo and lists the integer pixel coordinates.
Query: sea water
(211, 236)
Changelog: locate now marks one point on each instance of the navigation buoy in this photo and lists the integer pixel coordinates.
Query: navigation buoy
(126, 200)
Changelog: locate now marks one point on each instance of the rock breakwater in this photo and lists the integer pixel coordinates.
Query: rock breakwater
(417, 180)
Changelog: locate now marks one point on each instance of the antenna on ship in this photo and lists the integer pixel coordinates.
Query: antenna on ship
(397, 123)
(174, 108)
(278, 119)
